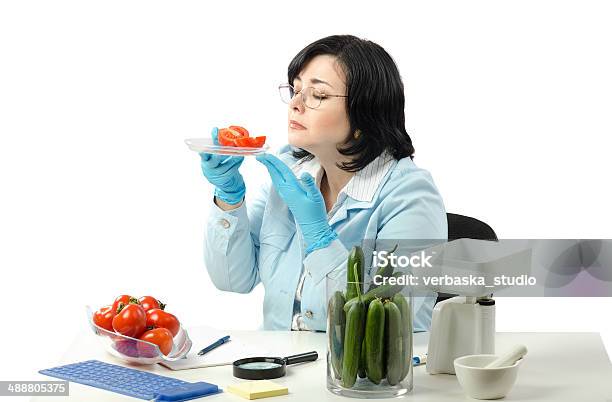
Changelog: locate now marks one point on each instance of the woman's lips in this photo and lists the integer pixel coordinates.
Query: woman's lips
(295, 125)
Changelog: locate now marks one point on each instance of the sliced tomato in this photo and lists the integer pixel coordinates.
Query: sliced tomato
(242, 142)
(243, 131)
(251, 142)
(259, 141)
(225, 138)
(228, 136)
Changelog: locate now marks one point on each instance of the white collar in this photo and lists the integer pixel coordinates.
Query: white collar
(363, 184)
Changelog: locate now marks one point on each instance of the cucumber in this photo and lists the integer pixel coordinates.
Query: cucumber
(404, 308)
(353, 339)
(384, 272)
(374, 341)
(361, 372)
(335, 331)
(393, 342)
(354, 279)
(382, 292)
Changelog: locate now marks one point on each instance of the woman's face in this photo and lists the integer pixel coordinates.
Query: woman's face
(319, 130)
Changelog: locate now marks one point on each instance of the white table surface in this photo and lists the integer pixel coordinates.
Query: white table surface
(558, 367)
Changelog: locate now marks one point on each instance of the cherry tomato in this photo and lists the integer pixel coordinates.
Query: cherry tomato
(158, 318)
(162, 337)
(103, 318)
(150, 302)
(131, 320)
(251, 142)
(125, 299)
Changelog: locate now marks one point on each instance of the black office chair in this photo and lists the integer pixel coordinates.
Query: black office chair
(466, 227)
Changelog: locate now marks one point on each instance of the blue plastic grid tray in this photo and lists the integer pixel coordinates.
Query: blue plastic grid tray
(131, 382)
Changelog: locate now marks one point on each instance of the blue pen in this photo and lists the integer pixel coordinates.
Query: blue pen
(214, 345)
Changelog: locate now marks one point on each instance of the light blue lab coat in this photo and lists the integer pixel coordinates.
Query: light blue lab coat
(260, 241)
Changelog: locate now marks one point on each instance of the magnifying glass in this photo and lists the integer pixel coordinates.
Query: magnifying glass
(265, 368)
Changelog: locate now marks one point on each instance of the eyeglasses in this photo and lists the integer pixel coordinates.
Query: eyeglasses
(311, 97)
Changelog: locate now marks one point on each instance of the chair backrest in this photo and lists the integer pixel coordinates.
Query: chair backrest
(466, 227)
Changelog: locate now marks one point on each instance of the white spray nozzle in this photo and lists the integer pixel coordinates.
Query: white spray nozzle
(509, 358)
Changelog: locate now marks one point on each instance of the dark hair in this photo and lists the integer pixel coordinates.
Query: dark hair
(375, 101)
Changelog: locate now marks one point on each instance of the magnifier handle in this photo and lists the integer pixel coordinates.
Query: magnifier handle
(302, 357)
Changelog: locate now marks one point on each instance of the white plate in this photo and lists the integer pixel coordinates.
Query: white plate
(206, 145)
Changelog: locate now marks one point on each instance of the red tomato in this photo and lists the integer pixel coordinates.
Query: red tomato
(228, 136)
(103, 318)
(251, 142)
(150, 302)
(162, 337)
(242, 142)
(131, 320)
(125, 299)
(158, 318)
(243, 131)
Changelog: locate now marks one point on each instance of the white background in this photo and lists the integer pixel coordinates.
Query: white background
(508, 104)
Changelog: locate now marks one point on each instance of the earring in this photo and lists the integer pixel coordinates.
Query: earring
(357, 133)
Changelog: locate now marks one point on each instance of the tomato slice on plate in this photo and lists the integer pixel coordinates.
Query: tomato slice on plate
(251, 142)
(241, 130)
(259, 142)
(228, 136)
(237, 136)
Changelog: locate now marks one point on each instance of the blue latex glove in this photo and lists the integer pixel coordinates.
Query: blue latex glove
(222, 172)
(304, 201)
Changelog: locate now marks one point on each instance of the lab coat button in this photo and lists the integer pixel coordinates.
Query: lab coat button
(225, 223)
(309, 314)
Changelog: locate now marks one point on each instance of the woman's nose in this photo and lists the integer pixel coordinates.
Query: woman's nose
(296, 104)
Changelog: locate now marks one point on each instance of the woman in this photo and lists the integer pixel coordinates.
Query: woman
(349, 148)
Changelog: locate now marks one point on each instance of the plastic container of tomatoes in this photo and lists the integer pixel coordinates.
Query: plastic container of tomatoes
(136, 351)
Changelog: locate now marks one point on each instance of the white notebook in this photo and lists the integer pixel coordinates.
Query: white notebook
(220, 356)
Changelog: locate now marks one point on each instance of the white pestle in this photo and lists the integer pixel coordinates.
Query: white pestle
(508, 359)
